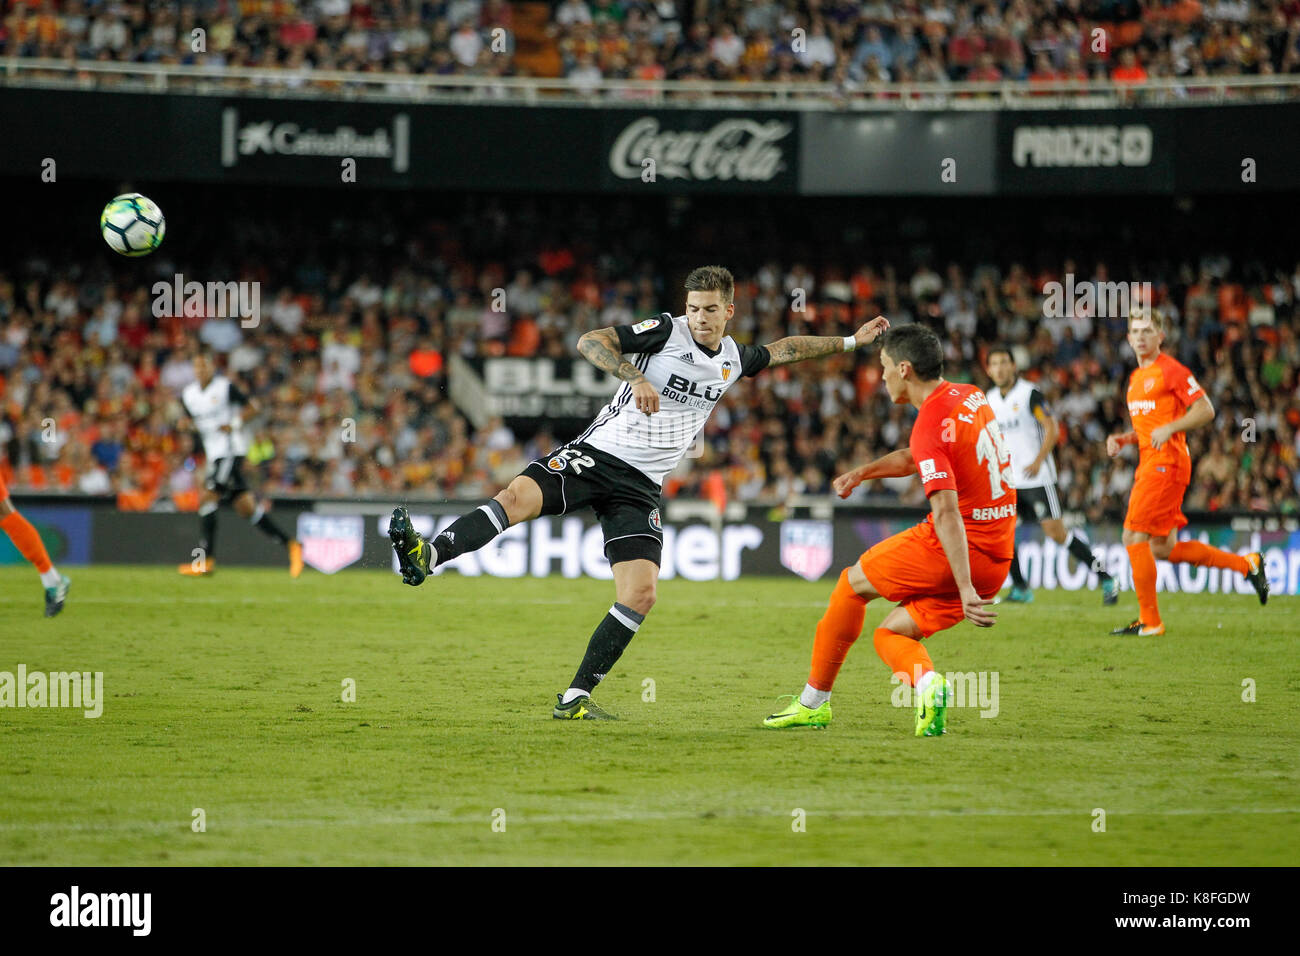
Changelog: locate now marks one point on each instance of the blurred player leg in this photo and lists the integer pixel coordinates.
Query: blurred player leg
(1206, 556)
(1020, 592)
(1077, 543)
(205, 562)
(28, 542)
(246, 506)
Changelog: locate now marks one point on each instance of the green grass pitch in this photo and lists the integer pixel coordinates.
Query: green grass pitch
(225, 695)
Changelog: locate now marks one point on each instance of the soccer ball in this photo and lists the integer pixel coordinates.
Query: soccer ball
(132, 224)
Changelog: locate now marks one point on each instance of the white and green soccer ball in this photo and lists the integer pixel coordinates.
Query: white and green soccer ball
(132, 224)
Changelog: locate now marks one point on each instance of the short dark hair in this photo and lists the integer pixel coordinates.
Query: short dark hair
(997, 348)
(712, 279)
(918, 345)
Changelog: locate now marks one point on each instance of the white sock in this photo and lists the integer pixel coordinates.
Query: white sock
(573, 693)
(812, 698)
(51, 578)
(924, 681)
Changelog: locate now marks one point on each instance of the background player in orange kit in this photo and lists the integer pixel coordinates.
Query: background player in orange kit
(944, 569)
(1164, 401)
(28, 542)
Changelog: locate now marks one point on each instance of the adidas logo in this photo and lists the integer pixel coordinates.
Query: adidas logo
(690, 357)
(450, 536)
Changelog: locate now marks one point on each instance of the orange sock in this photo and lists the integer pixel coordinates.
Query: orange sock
(1193, 552)
(836, 632)
(904, 655)
(26, 540)
(1144, 582)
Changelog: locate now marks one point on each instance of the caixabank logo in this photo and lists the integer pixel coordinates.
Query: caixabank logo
(244, 139)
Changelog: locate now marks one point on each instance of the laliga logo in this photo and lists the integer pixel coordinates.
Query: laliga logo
(740, 149)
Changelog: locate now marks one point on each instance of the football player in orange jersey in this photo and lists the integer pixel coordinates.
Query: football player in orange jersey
(1164, 402)
(945, 569)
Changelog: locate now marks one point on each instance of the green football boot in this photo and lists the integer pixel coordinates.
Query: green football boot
(413, 552)
(932, 708)
(582, 708)
(797, 715)
(55, 596)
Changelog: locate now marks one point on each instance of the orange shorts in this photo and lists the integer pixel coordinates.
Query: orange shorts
(1155, 505)
(911, 569)
(4, 490)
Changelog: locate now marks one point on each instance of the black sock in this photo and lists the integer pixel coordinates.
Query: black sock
(208, 532)
(470, 532)
(1017, 576)
(610, 639)
(263, 523)
(1077, 543)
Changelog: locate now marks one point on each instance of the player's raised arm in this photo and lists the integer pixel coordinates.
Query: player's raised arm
(796, 348)
(951, 532)
(1201, 412)
(602, 348)
(897, 464)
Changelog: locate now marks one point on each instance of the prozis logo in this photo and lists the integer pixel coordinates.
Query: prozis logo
(291, 139)
(1087, 146)
(741, 149)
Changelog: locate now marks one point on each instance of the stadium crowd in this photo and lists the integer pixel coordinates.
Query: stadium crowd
(857, 45)
(350, 358)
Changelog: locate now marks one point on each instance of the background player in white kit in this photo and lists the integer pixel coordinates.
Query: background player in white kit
(1031, 433)
(674, 369)
(218, 410)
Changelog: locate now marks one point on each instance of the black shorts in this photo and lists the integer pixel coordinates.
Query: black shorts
(625, 501)
(1038, 503)
(226, 476)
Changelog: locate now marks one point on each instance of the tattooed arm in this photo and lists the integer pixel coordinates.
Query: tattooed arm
(601, 348)
(796, 348)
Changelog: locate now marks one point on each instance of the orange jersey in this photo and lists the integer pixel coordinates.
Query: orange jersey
(957, 445)
(1158, 395)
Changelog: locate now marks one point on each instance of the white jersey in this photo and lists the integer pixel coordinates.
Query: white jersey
(1020, 414)
(690, 382)
(212, 407)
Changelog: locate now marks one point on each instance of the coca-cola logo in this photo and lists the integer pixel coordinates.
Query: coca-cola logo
(745, 150)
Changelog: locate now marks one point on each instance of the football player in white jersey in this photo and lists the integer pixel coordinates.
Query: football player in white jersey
(1031, 433)
(674, 370)
(217, 410)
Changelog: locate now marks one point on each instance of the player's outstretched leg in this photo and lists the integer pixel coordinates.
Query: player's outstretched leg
(520, 501)
(1206, 556)
(247, 506)
(28, 542)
